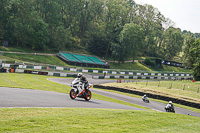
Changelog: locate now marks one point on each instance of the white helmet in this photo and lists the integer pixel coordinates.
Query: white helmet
(79, 75)
(170, 101)
(145, 95)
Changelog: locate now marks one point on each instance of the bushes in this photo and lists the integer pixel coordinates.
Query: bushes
(148, 62)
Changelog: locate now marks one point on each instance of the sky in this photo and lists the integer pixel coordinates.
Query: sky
(184, 13)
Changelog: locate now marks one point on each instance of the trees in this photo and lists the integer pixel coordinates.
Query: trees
(188, 45)
(151, 20)
(194, 52)
(106, 27)
(130, 42)
(173, 42)
(132, 37)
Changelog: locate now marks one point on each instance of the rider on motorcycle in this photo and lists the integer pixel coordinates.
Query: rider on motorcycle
(144, 97)
(170, 105)
(83, 80)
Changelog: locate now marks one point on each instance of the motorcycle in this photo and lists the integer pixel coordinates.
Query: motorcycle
(78, 90)
(145, 99)
(169, 108)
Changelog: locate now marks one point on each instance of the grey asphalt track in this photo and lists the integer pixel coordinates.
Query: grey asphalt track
(152, 105)
(16, 97)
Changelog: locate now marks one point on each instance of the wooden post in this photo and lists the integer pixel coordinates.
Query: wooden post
(184, 87)
(170, 86)
(159, 84)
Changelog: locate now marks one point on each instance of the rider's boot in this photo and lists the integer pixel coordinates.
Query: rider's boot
(86, 91)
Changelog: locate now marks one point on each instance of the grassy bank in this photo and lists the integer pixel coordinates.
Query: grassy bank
(129, 66)
(44, 59)
(53, 60)
(31, 81)
(186, 90)
(94, 120)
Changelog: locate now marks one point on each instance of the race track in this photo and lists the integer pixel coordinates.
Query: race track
(16, 97)
(152, 105)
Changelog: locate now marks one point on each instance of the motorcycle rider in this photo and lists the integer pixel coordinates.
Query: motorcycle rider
(83, 80)
(144, 97)
(170, 105)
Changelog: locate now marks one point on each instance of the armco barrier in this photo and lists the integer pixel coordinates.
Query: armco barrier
(35, 72)
(46, 73)
(3, 70)
(131, 73)
(142, 77)
(165, 98)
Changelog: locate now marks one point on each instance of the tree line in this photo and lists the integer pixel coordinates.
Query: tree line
(119, 29)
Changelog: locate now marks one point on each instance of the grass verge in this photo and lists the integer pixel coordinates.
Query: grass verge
(44, 59)
(31, 81)
(164, 89)
(151, 99)
(39, 82)
(94, 120)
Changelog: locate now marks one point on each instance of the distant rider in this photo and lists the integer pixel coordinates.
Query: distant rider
(144, 97)
(83, 80)
(170, 105)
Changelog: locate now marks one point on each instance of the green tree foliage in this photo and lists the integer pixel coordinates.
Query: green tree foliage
(131, 37)
(174, 41)
(117, 28)
(148, 62)
(152, 21)
(61, 38)
(195, 51)
(98, 43)
(192, 56)
(38, 35)
(188, 56)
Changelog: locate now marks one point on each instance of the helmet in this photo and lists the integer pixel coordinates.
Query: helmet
(145, 95)
(170, 101)
(79, 75)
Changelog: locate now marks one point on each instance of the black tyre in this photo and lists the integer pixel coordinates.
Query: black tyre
(72, 94)
(88, 95)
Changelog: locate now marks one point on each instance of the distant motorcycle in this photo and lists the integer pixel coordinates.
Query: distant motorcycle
(145, 99)
(78, 90)
(169, 108)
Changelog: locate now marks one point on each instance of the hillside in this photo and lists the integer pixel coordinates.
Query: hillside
(34, 57)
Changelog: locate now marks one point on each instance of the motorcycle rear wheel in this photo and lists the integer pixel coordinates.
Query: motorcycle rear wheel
(72, 94)
(88, 95)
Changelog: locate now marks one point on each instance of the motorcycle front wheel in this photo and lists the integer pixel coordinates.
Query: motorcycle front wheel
(72, 94)
(88, 95)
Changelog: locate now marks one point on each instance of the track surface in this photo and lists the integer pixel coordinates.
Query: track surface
(16, 97)
(152, 105)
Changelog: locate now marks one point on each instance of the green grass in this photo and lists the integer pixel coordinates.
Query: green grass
(40, 82)
(172, 69)
(31, 81)
(12, 49)
(83, 119)
(129, 66)
(18, 49)
(151, 99)
(189, 94)
(44, 59)
(94, 120)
